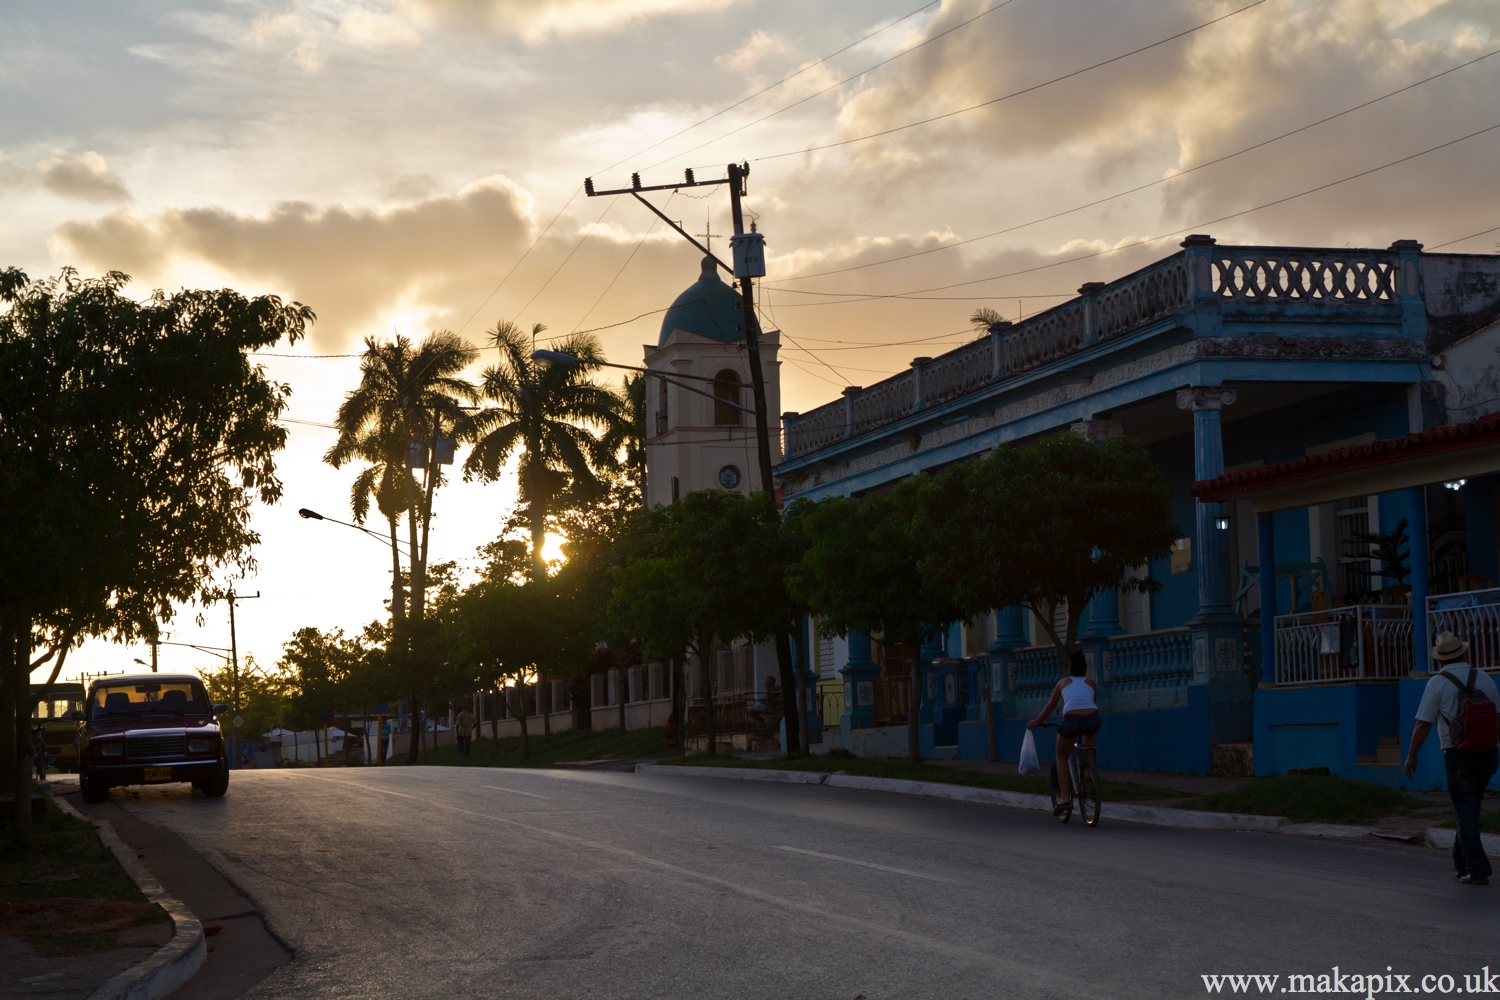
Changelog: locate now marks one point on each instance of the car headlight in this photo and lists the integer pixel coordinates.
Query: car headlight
(199, 746)
(111, 749)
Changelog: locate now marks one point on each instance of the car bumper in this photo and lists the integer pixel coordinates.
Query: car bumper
(135, 774)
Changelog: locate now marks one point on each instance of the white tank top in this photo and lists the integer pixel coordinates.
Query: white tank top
(1078, 696)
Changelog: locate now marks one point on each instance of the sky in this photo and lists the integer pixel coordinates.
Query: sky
(403, 166)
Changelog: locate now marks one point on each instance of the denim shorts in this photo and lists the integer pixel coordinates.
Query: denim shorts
(1074, 726)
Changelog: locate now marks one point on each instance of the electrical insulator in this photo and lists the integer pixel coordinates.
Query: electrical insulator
(749, 254)
(688, 173)
(588, 186)
(635, 181)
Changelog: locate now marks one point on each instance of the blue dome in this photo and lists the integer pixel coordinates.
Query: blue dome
(708, 307)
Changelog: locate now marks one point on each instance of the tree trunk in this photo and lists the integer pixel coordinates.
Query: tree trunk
(8, 742)
(801, 696)
(913, 738)
(622, 681)
(520, 690)
(674, 718)
(398, 604)
(708, 690)
(20, 824)
(789, 711)
(495, 720)
(538, 516)
(411, 744)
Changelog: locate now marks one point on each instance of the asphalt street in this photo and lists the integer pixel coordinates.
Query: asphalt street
(470, 882)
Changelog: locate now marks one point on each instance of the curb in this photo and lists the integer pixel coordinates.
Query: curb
(175, 962)
(1152, 815)
(1442, 839)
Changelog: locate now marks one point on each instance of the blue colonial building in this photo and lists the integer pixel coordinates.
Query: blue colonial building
(1218, 358)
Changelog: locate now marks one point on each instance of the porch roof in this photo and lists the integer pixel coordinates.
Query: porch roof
(1443, 454)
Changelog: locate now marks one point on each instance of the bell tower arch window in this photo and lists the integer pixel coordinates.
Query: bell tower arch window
(727, 387)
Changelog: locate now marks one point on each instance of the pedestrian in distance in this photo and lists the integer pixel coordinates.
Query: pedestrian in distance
(464, 728)
(1463, 701)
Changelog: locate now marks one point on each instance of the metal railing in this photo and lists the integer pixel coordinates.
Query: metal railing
(1473, 616)
(892, 700)
(1359, 642)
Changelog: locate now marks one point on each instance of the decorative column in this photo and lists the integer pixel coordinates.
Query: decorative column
(1210, 542)
(1008, 636)
(918, 400)
(849, 393)
(1089, 292)
(1265, 530)
(1416, 516)
(933, 648)
(1408, 286)
(1218, 634)
(997, 347)
(859, 685)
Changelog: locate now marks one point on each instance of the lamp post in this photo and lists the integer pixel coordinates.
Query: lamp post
(313, 515)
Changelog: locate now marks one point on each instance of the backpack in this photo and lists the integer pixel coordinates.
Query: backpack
(1473, 727)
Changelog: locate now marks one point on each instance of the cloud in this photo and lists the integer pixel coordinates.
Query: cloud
(85, 176)
(748, 56)
(372, 30)
(541, 20)
(354, 266)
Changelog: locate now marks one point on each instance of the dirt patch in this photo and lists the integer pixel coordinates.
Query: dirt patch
(62, 925)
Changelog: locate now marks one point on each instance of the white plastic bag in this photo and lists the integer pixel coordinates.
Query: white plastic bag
(1029, 763)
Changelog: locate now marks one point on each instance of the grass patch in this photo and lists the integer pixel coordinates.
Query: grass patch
(1489, 822)
(569, 745)
(67, 893)
(1113, 791)
(1311, 798)
(63, 846)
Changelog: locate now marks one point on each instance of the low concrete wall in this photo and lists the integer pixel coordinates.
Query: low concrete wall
(638, 714)
(1322, 725)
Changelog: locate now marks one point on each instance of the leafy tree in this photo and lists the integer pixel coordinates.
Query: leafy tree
(707, 566)
(407, 395)
(862, 569)
(385, 479)
(556, 416)
(1046, 526)
(134, 438)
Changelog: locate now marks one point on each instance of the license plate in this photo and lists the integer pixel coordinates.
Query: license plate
(158, 774)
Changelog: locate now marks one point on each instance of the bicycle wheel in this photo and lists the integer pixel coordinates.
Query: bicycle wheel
(1088, 789)
(1056, 790)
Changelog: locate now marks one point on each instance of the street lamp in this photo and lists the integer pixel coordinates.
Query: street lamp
(313, 515)
(562, 360)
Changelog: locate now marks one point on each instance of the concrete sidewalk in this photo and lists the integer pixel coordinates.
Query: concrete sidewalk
(241, 951)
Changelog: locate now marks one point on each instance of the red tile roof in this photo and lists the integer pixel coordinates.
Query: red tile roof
(1456, 437)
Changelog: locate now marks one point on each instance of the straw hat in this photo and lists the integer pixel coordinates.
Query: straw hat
(1449, 647)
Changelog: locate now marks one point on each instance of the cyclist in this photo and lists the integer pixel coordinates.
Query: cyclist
(1080, 719)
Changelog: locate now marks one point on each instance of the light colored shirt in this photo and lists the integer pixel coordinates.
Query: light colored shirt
(1440, 701)
(1077, 696)
(464, 723)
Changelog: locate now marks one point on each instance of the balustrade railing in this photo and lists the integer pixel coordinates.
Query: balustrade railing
(1474, 617)
(1150, 660)
(735, 713)
(1359, 642)
(1277, 274)
(1143, 299)
(1045, 337)
(1252, 275)
(1035, 671)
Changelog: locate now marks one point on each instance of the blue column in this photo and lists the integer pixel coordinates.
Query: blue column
(859, 685)
(1009, 635)
(1266, 536)
(1104, 615)
(1210, 543)
(1008, 631)
(1416, 506)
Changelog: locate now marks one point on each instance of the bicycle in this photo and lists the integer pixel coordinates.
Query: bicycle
(1084, 770)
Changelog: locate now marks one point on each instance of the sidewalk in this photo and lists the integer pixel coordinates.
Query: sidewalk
(241, 952)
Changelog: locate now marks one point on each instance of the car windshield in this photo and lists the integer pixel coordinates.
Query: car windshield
(153, 698)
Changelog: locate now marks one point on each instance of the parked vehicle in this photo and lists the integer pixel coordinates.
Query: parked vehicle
(147, 729)
(55, 717)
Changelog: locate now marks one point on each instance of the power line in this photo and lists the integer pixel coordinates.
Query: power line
(836, 86)
(1178, 232)
(523, 257)
(995, 100)
(569, 257)
(623, 266)
(1482, 232)
(1150, 184)
(785, 79)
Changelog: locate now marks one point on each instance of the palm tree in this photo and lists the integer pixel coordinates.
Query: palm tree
(407, 400)
(984, 317)
(629, 435)
(562, 422)
(385, 479)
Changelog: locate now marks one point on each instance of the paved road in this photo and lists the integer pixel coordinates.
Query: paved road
(453, 883)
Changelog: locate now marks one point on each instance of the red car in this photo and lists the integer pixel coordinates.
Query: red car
(147, 729)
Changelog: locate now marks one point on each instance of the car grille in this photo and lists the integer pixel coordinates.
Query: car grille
(148, 747)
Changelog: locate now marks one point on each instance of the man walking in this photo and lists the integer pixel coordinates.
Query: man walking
(464, 729)
(1463, 702)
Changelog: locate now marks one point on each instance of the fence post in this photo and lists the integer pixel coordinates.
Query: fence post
(1265, 528)
(1416, 503)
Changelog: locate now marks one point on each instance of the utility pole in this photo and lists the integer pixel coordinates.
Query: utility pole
(234, 670)
(749, 263)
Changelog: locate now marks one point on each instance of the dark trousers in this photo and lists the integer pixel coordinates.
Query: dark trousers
(1468, 774)
(463, 746)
